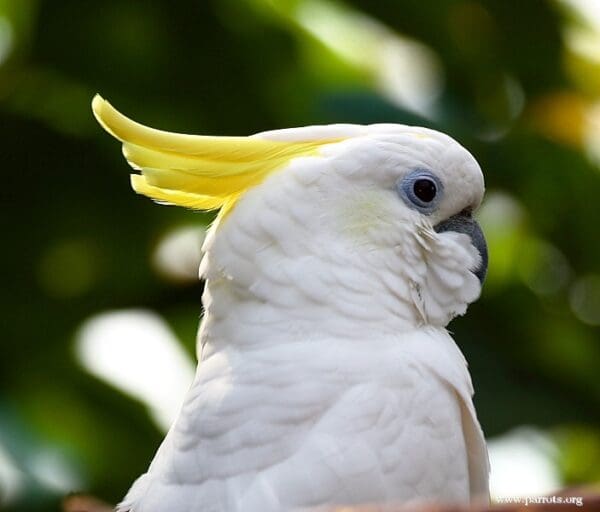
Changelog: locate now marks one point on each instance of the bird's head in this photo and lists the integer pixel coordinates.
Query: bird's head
(373, 222)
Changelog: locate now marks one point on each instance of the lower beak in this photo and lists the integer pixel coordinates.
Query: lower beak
(464, 223)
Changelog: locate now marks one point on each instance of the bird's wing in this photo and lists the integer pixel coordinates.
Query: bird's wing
(479, 467)
(375, 444)
(393, 422)
(444, 358)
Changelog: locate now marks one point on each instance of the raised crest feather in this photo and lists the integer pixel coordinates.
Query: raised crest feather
(197, 171)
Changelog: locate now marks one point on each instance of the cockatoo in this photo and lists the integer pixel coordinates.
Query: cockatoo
(326, 374)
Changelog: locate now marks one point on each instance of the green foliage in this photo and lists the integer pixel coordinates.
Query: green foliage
(505, 80)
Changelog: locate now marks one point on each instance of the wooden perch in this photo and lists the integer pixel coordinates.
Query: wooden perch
(589, 502)
(84, 503)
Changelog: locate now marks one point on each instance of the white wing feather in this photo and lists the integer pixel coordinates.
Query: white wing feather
(340, 428)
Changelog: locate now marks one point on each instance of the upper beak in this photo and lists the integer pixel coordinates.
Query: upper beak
(463, 222)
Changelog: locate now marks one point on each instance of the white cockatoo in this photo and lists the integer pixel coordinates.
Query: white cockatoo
(326, 375)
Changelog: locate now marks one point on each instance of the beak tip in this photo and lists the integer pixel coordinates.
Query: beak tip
(481, 271)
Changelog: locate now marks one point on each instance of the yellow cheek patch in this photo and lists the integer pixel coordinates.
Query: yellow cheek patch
(195, 171)
(357, 216)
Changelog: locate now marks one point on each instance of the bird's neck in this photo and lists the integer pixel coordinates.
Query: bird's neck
(268, 283)
(306, 299)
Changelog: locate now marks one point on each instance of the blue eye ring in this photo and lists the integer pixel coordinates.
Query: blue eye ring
(421, 190)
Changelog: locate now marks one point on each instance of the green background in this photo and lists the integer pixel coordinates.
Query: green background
(514, 85)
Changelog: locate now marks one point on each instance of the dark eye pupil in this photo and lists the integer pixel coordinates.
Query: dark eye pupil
(425, 190)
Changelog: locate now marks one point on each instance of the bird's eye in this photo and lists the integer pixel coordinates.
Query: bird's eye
(420, 190)
(425, 189)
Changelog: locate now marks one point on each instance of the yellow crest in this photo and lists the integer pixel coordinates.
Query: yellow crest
(198, 172)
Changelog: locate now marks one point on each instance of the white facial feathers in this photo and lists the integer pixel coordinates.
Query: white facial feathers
(329, 241)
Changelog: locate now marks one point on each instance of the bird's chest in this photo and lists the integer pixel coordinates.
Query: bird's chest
(370, 424)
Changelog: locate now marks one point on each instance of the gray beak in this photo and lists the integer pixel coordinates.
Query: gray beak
(464, 223)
